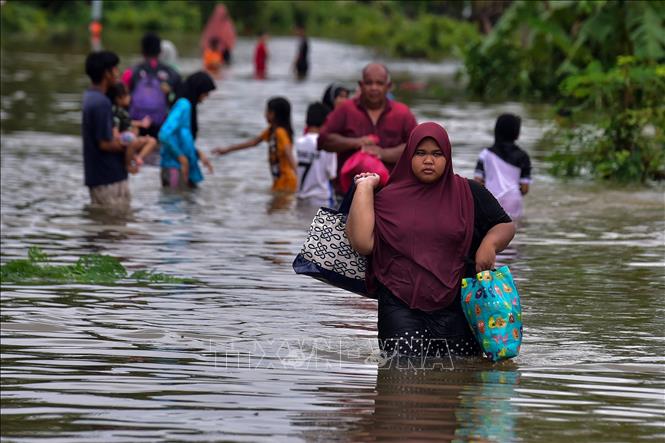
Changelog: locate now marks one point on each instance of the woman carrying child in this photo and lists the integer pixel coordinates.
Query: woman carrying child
(180, 157)
(279, 136)
(423, 232)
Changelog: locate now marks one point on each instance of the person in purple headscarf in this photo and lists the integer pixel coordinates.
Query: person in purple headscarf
(422, 233)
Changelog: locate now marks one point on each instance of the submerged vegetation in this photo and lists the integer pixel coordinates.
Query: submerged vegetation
(92, 268)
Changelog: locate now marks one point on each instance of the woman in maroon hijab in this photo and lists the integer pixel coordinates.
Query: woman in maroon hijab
(423, 232)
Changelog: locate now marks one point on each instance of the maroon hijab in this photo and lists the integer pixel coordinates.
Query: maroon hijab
(422, 232)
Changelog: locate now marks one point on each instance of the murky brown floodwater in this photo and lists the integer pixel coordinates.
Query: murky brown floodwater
(256, 353)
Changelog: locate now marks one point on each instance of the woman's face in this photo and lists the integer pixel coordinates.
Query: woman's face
(428, 162)
(341, 98)
(203, 96)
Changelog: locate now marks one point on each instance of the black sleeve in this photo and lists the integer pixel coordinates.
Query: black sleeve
(480, 167)
(488, 211)
(487, 214)
(525, 167)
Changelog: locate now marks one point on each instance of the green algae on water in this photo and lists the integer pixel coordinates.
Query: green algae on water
(90, 268)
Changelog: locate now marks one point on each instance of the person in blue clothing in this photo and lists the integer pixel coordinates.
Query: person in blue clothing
(180, 157)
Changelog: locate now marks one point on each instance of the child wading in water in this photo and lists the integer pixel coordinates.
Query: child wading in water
(127, 130)
(504, 168)
(279, 136)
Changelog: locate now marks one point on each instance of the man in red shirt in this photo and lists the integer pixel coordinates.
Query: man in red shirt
(370, 122)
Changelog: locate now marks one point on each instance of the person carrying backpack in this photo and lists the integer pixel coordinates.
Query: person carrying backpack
(153, 86)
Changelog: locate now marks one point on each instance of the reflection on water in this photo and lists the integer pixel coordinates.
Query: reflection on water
(127, 362)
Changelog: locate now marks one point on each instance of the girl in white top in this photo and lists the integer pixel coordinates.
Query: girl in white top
(316, 168)
(504, 168)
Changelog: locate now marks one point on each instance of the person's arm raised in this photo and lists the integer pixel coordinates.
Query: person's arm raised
(360, 222)
(494, 241)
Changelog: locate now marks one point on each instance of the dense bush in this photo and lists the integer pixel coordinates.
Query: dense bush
(626, 141)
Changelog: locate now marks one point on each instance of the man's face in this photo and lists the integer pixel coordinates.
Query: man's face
(374, 86)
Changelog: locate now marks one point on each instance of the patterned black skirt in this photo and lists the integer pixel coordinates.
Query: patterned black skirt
(406, 332)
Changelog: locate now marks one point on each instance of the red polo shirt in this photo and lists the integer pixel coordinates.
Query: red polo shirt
(350, 119)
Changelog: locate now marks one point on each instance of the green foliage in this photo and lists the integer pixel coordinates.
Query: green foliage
(535, 45)
(150, 15)
(626, 142)
(92, 268)
(23, 18)
(399, 28)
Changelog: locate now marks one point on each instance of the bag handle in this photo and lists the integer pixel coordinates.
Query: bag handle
(345, 206)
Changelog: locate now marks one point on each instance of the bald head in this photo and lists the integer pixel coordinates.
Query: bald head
(374, 86)
(376, 69)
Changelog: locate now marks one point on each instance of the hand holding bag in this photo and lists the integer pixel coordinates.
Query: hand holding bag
(492, 307)
(327, 254)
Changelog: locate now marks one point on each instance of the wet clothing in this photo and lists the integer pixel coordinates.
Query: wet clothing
(177, 139)
(114, 194)
(302, 61)
(410, 332)
(398, 324)
(316, 169)
(504, 167)
(260, 58)
(171, 178)
(283, 174)
(121, 119)
(350, 119)
(100, 167)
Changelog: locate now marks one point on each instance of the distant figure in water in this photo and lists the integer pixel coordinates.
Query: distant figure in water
(504, 168)
(212, 56)
(301, 63)
(220, 26)
(279, 136)
(261, 56)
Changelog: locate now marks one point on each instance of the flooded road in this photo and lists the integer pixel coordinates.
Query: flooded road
(256, 353)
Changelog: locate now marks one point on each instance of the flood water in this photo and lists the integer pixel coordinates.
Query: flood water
(257, 353)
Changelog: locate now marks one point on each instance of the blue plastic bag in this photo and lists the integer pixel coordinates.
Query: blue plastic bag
(492, 307)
